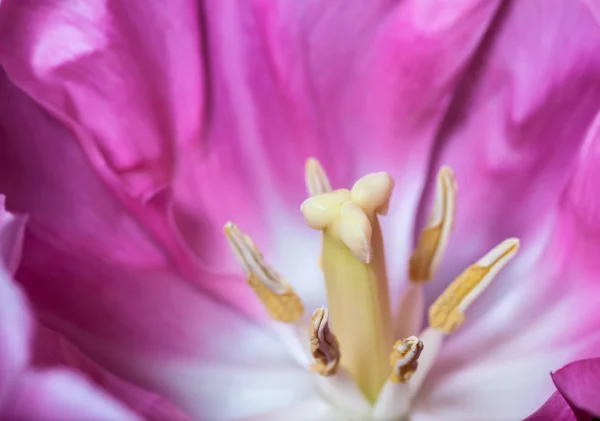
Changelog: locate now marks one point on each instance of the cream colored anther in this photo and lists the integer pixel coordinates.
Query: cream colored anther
(275, 293)
(316, 178)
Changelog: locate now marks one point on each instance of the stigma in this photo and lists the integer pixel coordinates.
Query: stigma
(355, 331)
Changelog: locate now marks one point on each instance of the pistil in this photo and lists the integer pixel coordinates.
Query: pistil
(353, 263)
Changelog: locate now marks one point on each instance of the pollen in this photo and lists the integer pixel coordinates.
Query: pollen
(447, 313)
(434, 238)
(274, 292)
(404, 359)
(324, 345)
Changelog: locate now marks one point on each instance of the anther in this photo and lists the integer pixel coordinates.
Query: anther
(447, 313)
(404, 359)
(275, 293)
(323, 344)
(434, 237)
(316, 179)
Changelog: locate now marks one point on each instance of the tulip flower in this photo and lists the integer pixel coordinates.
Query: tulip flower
(375, 165)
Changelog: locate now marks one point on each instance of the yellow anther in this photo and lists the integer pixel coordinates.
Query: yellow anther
(275, 293)
(323, 344)
(447, 313)
(316, 179)
(434, 237)
(404, 359)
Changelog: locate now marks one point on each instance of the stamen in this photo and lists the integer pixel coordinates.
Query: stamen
(404, 359)
(275, 293)
(434, 339)
(447, 312)
(323, 344)
(393, 402)
(434, 238)
(316, 179)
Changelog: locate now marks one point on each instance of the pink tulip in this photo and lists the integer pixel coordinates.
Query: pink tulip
(28, 393)
(134, 131)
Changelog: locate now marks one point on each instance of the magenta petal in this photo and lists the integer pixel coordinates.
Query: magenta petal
(12, 228)
(61, 395)
(126, 77)
(554, 409)
(15, 331)
(52, 349)
(15, 323)
(362, 85)
(578, 395)
(515, 128)
(579, 383)
(126, 80)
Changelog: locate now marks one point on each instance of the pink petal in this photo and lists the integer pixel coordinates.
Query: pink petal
(25, 395)
(15, 330)
(362, 85)
(35, 396)
(555, 409)
(61, 395)
(289, 81)
(52, 349)
(579, 384)
(66, 210)
(171, 339)
(126, 79)
(516, 125)
(574, 247)
(15, 324)
(169, 323)
(266, 116)
(12, 228)
(551, 292)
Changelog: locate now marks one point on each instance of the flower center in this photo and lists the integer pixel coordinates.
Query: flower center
(354, 334)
